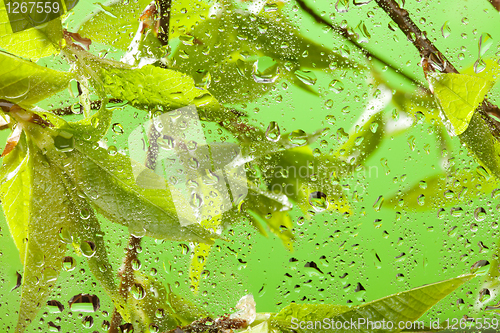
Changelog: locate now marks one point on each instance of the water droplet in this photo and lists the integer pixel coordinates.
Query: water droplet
(378, 203)
(88, 321)
(273, 132)
(480, 214)
(136, 264)
(485, 42)
(159, 313)
(66, 235)
(479, 66)
(166, 142)
(421, 200)
(446, 30)
(318, 201)
(138, 291)
(307, 77)
(298, 138)
(64, 141)
(118, 128)
(69, 264)
(196, 200)
(481, 267)
(336, 86)
(342, 6)
(85, 213)
(84, 303)
(265, 70)
(88, 248)
(55, 306)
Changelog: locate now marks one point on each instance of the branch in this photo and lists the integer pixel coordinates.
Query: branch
(127, 279)
(496, 4)
(94, 105)
(164, 28)
(351, 38)
(432, 58)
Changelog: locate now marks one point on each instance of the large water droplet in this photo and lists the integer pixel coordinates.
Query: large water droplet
(69, 263)
(64, 141)
(138, 291)
(306, 77)
(55, 306)
(445, 30)
(84, 303)
(485, 42)
(273, 132)
(298, 138)
(88, 248)
(265, 70)
(318, 201)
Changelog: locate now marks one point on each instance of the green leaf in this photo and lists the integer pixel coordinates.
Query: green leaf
(479, 140)
(15, 192)
(50, 217)
(25, 83)
(149, 87)
(89, 230)
(34, 43)
(402, 307)
(108, 181)
(240, 56)
(444, 190)
(459, 96)
(114, 24)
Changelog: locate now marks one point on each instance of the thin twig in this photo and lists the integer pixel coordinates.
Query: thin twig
(351, 38)
(94, 105)
(432, 56)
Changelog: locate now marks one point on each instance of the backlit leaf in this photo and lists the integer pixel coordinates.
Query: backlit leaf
(459, 96)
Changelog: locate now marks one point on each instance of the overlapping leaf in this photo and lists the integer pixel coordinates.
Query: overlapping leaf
(33, 43)
(23, 82)
(403, 307)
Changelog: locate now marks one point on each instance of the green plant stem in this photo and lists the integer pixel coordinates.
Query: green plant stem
(351, 38)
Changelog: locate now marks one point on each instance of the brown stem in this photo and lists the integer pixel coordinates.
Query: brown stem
(164, 10)
(94, 105)
(433, 57)
(351, 38)
(496, 4)
(127, 279)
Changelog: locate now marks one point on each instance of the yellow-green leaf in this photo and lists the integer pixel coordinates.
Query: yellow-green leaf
(24, 82)
(399, 308)
(459, 96)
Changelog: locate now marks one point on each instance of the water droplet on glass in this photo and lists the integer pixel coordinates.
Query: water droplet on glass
(138, 291)
(84, 303)
(445, 30)
(166, 142)
(378, 203)
(69, 263)
(118, 128)
(55, 306)
(307, 77)
(64, 142)
(342, 6)
(336, 86)
(88, 248)
(479, 66)
(66, 235)
(480, 214)
(481, 267)
(273, 132)
(159, 313)
(136, 264)
(485, 42)
(88, 321)
(318, 201)
(265, 70)
(298, 138)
